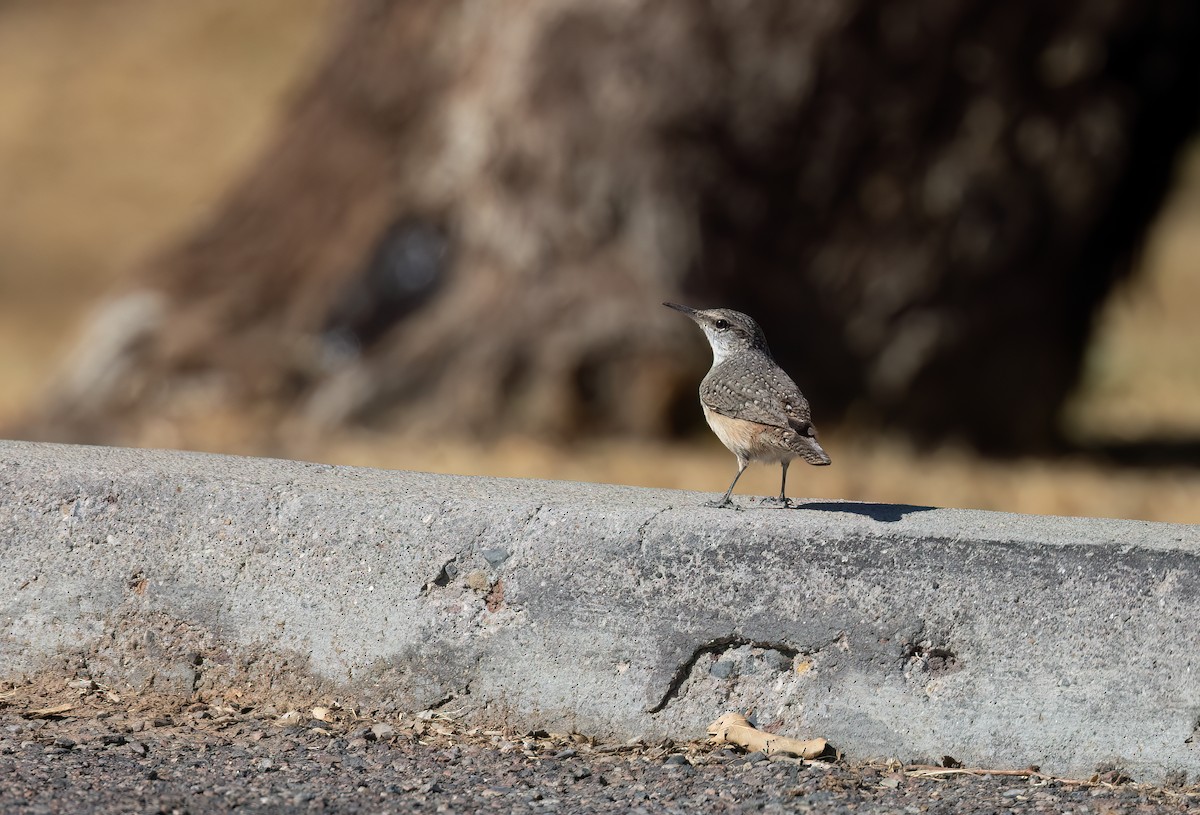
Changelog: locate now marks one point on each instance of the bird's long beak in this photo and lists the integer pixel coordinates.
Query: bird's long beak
(688, 310)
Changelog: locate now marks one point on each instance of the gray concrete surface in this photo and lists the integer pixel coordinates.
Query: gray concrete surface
(893, 631)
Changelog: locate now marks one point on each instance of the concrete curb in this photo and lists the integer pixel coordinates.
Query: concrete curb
(892, 631)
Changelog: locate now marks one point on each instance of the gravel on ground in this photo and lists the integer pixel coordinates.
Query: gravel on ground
(73, 746)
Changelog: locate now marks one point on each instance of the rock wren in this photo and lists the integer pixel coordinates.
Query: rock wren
(755, 408)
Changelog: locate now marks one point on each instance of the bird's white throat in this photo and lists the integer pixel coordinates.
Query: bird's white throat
(722, 344)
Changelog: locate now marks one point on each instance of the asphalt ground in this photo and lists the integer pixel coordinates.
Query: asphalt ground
(71, 746)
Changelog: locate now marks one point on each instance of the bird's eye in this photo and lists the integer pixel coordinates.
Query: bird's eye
(721, 324)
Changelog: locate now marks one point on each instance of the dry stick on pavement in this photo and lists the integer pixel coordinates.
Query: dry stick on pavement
(933, 771)
(734, 728)
(928, 770)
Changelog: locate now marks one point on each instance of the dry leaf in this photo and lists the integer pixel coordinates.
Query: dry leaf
(322, 714)
(734, 728)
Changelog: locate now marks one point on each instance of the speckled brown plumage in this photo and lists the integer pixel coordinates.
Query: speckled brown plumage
(753, 388)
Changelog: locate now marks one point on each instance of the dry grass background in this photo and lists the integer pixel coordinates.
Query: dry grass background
(121, 123)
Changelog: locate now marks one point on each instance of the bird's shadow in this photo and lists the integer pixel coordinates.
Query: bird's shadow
(886, 513)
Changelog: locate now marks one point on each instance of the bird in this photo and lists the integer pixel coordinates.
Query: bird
(750, 403)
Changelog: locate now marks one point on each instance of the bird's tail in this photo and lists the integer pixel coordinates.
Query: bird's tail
(803, 441)
(812, 451)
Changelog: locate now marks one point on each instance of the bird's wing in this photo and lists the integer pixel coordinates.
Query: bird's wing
(760, 392)
(757, 391)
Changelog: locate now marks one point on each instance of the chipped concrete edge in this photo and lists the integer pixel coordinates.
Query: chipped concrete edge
(893, 631)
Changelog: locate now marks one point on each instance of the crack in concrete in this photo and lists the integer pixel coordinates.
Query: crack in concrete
(528, 521)
(712, 647)
(641, 531)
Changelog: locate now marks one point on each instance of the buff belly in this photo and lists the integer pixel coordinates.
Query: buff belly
(749, 441)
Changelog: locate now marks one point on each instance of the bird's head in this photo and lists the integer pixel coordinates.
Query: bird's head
(728, 331)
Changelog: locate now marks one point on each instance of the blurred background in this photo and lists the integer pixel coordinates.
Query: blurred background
(435, 236)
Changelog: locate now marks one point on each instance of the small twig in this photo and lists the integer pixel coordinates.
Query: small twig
(919, 770)
(931, 771)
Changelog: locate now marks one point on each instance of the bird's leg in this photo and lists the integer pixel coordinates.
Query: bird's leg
(782, 500)
(726, 501)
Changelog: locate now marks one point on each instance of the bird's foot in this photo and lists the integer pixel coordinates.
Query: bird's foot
(723, 503)
(781, 502)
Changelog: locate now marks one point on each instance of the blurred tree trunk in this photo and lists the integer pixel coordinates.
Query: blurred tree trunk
(472, 211)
